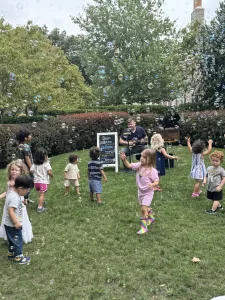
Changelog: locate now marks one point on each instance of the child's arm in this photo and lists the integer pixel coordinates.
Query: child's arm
(50, 174)
(220, 187)
(152, 185)
(3, 195)
(166, 155)
(125, 161)
(78, 175)
(103, 175)
(12, 215)
(188, 143)
(204, 181)
(28, 161)
(209, 148)
(65, 175)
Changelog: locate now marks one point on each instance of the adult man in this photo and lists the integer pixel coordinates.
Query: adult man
(134, 138)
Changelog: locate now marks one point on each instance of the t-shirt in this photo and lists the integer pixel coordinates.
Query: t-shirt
(40, 172)
(94, 168)
(137, 135)
(144, 177)
(72, 171)
(13, 199)
(215, 176)
(24, 150)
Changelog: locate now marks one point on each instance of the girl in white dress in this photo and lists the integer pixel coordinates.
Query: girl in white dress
(14, 169)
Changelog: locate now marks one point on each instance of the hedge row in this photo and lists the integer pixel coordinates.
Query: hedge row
(61, 135)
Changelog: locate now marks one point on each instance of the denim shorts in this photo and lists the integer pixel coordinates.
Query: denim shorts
(95, 186)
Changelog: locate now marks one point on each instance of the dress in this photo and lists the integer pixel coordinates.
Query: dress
(26, 228)
(198, 169)
(144, 177)
(160, 163)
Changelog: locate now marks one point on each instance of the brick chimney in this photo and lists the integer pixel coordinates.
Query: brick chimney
(197, 3)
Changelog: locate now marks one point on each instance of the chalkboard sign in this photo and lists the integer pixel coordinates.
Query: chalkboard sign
(108, 145)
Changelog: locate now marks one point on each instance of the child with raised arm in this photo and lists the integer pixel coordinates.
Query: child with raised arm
(95, 174)
(71, 175)
(198, 169)
(42, 170)
(147, 179)
(216, 181)
(14, 169)
(13, 218)
(157, 143)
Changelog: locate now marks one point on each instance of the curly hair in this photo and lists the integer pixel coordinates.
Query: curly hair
(198, 147)
(20, 164)
(217, 154)
(157, 141)
(94, 153)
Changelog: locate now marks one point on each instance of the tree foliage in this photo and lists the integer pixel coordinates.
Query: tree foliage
(127, 49)
(34, 74)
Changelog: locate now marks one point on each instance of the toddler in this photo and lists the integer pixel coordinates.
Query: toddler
(71, 175)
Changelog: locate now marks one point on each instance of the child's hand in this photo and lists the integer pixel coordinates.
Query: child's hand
(122, 155)
(210, 141)
(218, 188)
(151, 186)
(25, 201)
(18, 225)
(176, 157)
(187, 138)
(204, 183)
(105, 179)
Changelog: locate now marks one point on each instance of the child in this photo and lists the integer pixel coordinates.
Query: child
(24, 138)
(198, 169)
(147, 179)
(95, 173)
(216, 181)
(157, 143)
(71, 175)
(13, 218)
(41, 170)
(14, 169)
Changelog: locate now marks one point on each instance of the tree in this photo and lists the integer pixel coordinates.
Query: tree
(211, 47)
(34, 74)
(72, 47)
(127, 50)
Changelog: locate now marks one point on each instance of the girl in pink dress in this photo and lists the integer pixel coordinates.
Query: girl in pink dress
(147, 179)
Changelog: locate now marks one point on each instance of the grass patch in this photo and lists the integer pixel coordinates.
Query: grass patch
(84, 251)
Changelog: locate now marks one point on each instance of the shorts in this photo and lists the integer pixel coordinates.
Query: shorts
(41, 187)
(73, 182)
(95, 186)
(145, 199)
(215, 196)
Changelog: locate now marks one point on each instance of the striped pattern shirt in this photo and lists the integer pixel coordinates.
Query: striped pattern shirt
(94, 168)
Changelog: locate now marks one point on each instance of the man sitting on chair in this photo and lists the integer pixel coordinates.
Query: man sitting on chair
(134, 138)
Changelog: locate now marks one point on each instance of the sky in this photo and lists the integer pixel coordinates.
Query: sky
(56, 13)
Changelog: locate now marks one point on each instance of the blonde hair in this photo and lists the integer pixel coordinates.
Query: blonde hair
(157, 141)
(218, 154)
(20, 164)
(150, 157)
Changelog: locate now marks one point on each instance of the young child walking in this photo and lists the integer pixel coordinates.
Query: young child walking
(198, 169)
(147, 179)
(95, 174)
(216, 180)
(42, 170)
(72, 175)
(157, 143)
(14, 169)
(13, 218)
(24, 138)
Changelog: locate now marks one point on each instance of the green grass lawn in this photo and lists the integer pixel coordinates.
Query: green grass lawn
(84, 251)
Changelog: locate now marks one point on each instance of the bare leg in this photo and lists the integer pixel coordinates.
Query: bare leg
(215, 205)
(77, 190)
(67, 188)
(98, 198)
(197, 187)
(41, 199)
(144, 212)
(92, 196)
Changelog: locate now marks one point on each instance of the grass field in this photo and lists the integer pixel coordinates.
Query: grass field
(85, 251)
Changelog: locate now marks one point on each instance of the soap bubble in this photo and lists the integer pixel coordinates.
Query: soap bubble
(34, 124)
(61, 80)
(12, 76)
(150, 85)
(49, 98)
(124, 101)
(120, 77)
(45, 117)
(9, 95)
(138, 118)
(63, 125)
(14, 109)
(13, 156)
(37, 98)
(70, 141)
(30, 113)
(73, 128)
(117, 52)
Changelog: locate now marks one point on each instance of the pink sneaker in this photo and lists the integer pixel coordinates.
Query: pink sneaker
(199, 192)
(195, 195)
